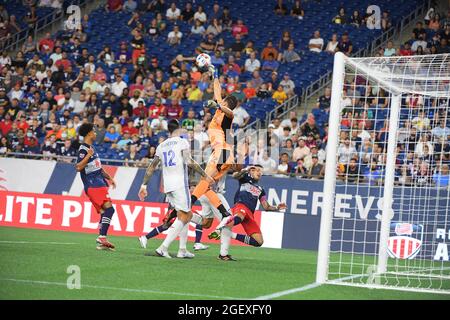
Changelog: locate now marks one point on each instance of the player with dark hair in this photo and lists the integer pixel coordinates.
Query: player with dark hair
(222, 156)
(96, 182)
(174, 156)
(245, 202)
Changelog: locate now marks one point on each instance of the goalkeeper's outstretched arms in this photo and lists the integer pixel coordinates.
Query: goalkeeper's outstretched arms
(218, 92)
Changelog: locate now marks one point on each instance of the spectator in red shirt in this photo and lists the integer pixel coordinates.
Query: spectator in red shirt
(139, 108)
(174, 111)
(23, 123)
(157, 109)
(6, 124)
(99, 74)
(114, 5)
(406, 50)
(239, 28)
(249, 91)
(30, 140)
(46, 45)
(129, 128)
(64, 61)
(231, 66)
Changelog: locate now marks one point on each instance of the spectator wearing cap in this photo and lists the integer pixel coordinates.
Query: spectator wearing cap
(316, 42)
(314, 151)
(345, 45)
(316, 170)
(287, 84)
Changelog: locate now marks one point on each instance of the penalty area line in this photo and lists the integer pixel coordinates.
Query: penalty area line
(63, 284)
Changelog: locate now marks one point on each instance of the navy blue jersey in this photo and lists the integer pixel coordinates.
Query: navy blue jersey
(249, 192)
(91, 175)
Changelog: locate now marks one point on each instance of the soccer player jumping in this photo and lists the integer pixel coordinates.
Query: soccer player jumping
(96, 182)
(246, 200)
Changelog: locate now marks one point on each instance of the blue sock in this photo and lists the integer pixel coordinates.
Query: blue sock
(106, 221)
(237, 220)
(156, 231)
(198, 233)
(247, 240)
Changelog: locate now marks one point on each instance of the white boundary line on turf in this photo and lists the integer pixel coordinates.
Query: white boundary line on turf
(63, 284)
(300, 289)
(37, 242)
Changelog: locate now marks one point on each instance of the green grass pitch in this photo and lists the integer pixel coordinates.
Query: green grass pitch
(33, 265)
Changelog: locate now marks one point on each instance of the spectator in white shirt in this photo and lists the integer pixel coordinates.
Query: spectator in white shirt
(118, 86)
(200, 15)
(173, 13)
(269, 165)
(241, 116)
(252, 64)
(316, 43)
(332, 44)
(130, 6)
(419, 43)
(174, 37)
(346, 151)
(287, 84)
(442, 131)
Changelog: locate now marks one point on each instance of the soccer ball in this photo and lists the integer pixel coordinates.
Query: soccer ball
(203, 60)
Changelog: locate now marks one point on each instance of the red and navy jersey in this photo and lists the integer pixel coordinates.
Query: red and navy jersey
(91, 175)
(249, 192)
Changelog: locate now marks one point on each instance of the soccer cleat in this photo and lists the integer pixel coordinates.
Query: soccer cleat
(163, 253)
(226, 258)
(214, 235)
(143, 241)
(102, 241)
(200, 246)
(184, 254)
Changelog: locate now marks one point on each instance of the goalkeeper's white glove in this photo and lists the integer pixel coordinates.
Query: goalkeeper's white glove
(212, 104)
(213, 71)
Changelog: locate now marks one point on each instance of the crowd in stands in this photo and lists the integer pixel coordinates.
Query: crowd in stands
(423, 150)
(51, 86)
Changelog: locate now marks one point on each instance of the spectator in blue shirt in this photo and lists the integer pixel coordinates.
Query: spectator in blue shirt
(270, 64)
(442, 179)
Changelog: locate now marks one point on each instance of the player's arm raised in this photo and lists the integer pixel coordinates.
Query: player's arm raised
(218, 93)
(195, 166)
(148, 174)
(240, 174)
(83, 163)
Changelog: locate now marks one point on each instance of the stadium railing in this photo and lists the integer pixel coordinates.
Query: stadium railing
(51, 19)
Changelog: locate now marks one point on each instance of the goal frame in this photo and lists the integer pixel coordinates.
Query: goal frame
(329, 189)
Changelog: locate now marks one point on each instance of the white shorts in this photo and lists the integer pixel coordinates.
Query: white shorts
(209, 211)
(180, 199)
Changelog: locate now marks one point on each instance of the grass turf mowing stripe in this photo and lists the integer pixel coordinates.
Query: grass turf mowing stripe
(123, 289)
(38, 242)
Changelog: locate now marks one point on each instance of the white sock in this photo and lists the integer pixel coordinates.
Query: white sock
(233, 235)
(184, 237)
(224, 222)
(173, 232)
(196, 218)
(225, 240)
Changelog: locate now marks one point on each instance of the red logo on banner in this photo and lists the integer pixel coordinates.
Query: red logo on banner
(76, 214)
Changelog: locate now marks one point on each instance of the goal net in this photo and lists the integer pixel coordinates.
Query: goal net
(386, 202)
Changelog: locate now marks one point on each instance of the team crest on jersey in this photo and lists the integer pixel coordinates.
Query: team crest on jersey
(406, 240)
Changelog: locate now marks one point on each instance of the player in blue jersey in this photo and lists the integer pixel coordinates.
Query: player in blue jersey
(96, 183)
(245, 202)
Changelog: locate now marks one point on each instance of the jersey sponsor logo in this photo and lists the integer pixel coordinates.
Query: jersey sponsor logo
(81, 155)
(253, 190)
(406, 241)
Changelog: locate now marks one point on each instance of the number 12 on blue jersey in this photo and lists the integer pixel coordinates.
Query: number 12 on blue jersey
(168, 158)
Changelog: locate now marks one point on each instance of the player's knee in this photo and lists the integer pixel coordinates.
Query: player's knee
(207, 223)
(260, 242)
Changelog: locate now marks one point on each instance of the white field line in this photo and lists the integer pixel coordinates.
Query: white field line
(63, 284)
(295, 290)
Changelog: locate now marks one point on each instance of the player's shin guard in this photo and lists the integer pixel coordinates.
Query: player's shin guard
(198, 233)
(156, 231)
(106, 221)
(173, 232)
(247, 240)
(225, 241)
(184, 236)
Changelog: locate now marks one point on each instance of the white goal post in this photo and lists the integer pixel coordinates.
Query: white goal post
(385, 220)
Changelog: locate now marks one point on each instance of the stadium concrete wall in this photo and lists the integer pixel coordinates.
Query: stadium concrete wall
(49, 195)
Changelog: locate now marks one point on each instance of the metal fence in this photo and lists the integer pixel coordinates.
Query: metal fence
(55, 17)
